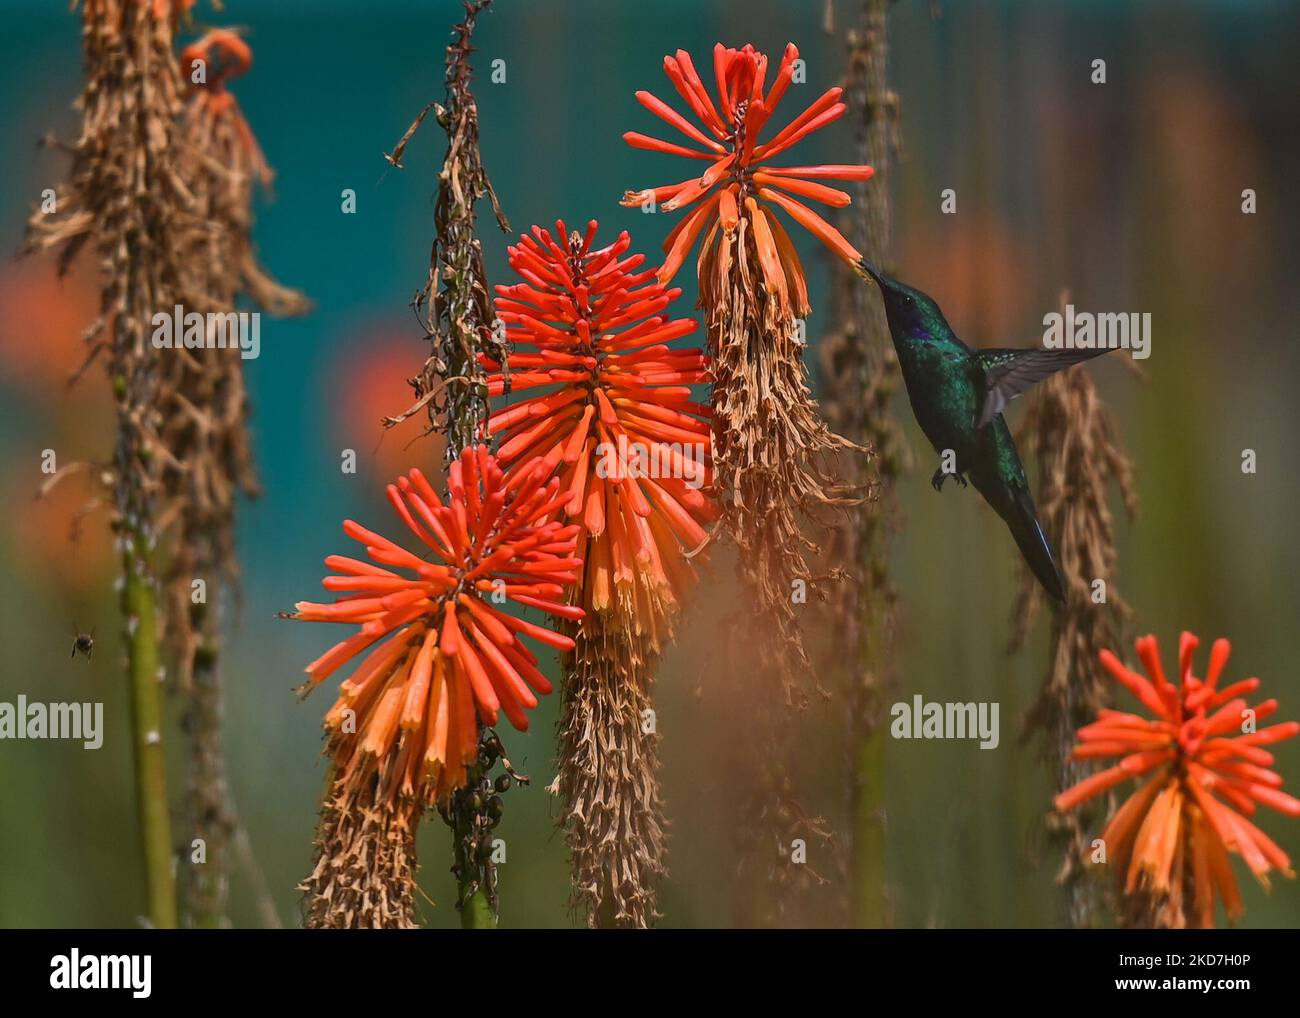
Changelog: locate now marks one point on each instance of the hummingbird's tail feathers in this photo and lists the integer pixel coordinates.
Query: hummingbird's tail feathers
(1022, 520)
(1008, 373)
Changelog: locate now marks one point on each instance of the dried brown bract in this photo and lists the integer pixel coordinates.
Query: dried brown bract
(206, 435)
(771, 449)
(609, 778)
(364, 876)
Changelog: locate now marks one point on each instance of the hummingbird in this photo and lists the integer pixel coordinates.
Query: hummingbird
(958, 395)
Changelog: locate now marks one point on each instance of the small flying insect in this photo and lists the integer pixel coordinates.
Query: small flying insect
(84, 642)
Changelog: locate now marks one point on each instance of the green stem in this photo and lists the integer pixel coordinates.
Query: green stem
(871, 93)
(476, 912)
(139, 602)
(870, 906)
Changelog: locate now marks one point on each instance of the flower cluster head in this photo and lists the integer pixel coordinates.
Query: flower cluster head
(608, 406)
(1204, 770)
(222, 55)
(735, 191)
(443, 652)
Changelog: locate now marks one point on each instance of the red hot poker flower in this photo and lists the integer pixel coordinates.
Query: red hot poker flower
(609, 407)
(442, 650)
(1204, 780)
(739, 178)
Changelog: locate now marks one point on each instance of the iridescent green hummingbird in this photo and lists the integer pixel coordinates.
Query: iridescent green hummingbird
(957, 395)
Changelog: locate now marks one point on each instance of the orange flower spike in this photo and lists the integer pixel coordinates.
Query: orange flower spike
(1210, 780)
(416, 693)
(737, 153)
(595, 325)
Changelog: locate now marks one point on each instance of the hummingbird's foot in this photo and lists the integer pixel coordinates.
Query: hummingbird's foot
(941, 475)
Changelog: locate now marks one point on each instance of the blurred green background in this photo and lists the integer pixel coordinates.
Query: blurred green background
(1128, 194)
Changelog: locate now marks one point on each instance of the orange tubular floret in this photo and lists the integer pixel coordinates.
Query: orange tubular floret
(814, 224)
(806, 188)
(683, 237)
(1130, 766)
(669, 115)
(837, 172)
(826, 101)
(655, 145)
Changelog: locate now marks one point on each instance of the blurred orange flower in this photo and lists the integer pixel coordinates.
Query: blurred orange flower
(1176, 830)
(61, 537)
(449, 651)
(366, 382)
(617, 419)
(739, 173)
(43, 320)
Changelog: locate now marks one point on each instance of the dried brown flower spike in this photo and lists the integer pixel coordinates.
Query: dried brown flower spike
(608, 405)
(205, 432)
(1069, 432)
(164, 194)
(770, 446)
(455, 304)
(125, 197)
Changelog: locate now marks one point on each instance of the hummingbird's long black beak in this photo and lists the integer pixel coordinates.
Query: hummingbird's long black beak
(866, 270)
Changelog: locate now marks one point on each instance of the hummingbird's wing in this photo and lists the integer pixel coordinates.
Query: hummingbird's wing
(1008, 373)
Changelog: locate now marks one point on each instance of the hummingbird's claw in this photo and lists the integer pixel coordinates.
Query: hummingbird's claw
(942, 475)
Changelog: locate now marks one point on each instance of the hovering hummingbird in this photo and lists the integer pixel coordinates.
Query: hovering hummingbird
(958, 395)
